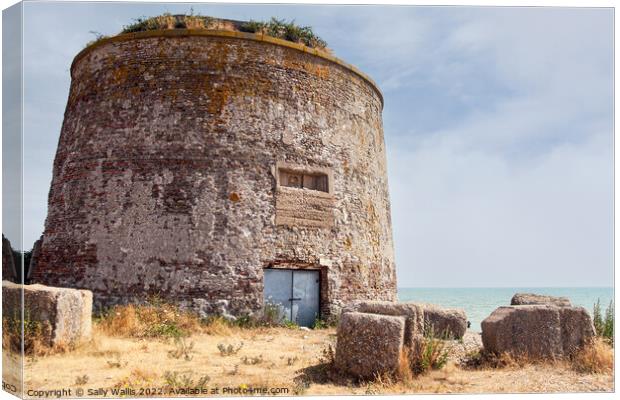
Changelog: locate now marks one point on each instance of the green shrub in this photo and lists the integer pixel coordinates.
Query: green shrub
(608, 323)
(281, 29)
(164, 21)
(597, 318)
(604, 326)
(290, 324)
(320, 324)
(427, 353)
(252, 26)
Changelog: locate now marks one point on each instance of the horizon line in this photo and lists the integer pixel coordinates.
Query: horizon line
(502, 287)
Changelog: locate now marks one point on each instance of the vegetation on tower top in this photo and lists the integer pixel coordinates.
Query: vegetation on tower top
(281, 29)
(277, 28)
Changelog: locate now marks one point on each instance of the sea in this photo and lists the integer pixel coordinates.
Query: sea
(478, 303)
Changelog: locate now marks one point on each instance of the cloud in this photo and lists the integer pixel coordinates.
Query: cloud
(518, 190)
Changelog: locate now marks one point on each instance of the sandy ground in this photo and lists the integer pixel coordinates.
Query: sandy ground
(284, 361)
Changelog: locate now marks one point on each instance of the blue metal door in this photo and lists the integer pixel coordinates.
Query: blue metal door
(277, 292)
(294, 293)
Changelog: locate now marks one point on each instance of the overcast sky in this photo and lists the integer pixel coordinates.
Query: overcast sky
(498, 123)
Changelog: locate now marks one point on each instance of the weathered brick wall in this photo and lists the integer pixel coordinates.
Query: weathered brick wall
(165, 178)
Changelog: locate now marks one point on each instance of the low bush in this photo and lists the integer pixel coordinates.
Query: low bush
(176, 380)
(427, 353)
(252, 360)
(227, 350)
(290, 324)
(282, 29)
(167, 21)
(182, 349)
(320, 324)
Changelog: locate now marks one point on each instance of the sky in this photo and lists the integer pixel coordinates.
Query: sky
(498, 124)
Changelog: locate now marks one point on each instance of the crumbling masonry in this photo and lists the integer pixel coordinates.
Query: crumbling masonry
(191, 160)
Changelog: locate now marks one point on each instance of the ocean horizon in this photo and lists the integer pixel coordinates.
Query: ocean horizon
(479, 303)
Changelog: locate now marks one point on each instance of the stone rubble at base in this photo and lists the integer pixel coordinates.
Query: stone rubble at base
(370, 340)
(373, 334)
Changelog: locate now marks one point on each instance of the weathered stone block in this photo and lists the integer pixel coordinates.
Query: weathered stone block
(420, 317)
(531, 298)
(577, 328)
(64, 313)
(369, 344)
(532, 330)
(413, 313)
(539, 331)
(445, 322)
(86, 325)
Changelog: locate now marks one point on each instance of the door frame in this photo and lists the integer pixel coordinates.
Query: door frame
(305, 267)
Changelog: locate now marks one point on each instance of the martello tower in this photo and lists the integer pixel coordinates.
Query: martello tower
(221, 170)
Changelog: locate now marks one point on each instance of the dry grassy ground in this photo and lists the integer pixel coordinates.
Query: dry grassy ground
(290, 361)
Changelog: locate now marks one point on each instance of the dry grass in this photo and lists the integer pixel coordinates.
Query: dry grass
(482, 360)
(157, 319)
(219, 326)
(291, 359)
(123, 354)
(126, 362)
(596, 357)
(151, 320)
(404, 373)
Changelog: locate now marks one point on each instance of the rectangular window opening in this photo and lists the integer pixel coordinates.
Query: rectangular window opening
(304, 180)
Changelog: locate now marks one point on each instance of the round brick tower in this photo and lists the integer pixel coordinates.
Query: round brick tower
(193, 162)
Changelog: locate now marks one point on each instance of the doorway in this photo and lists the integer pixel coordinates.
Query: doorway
(295, 293)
